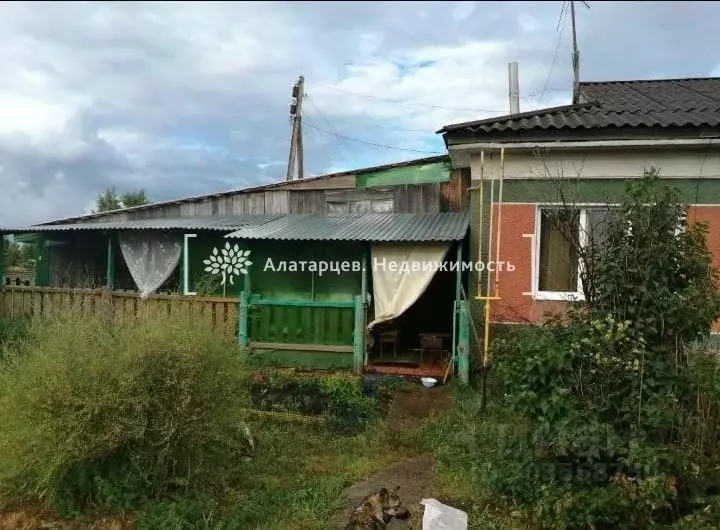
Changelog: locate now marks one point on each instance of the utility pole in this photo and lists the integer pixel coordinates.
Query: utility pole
(296, 143)
(575, 52)
(513, 88)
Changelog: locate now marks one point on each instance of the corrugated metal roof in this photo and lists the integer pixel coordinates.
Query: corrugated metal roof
(220, 223)
(380, 227)
(653, 103)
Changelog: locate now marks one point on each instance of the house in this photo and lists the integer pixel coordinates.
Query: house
(351, 314)
(523, 166)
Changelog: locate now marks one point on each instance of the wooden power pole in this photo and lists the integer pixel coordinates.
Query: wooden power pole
(296, 143)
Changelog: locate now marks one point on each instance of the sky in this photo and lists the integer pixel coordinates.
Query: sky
(185, 98)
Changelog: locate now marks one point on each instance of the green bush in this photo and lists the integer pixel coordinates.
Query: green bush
(623, 411)
(115, 413)
(349, 404)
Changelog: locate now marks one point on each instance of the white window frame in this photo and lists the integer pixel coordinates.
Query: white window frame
(562, 296)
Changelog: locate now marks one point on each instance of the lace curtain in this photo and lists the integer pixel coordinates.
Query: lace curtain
(151, 257)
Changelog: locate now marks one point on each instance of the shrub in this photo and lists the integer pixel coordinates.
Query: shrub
(623, 410)
(349, 404)
(115, 412)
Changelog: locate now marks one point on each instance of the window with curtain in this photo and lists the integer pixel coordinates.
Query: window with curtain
(562, 233)
(559, 240)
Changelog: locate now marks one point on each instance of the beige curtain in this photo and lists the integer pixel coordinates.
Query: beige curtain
(400, 274)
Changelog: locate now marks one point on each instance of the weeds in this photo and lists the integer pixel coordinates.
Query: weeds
(115, 413)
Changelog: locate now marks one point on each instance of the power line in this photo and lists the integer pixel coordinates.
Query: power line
(327, 122)
(358, 140)
(559, 29)
(405, 102)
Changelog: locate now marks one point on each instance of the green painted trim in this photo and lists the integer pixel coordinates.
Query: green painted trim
(422, 174)
(359, 336)
(258, 300)
(602, 191)
(463, 348)
(243, 319)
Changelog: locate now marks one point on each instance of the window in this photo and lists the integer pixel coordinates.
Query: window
(562, 233)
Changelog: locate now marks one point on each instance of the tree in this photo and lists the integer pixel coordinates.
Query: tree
(110, 200)
(134, 198)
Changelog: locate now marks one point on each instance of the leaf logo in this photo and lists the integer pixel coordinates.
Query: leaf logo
(229, 261)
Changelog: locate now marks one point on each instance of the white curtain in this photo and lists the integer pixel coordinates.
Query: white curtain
(400, 274)
(151, 257)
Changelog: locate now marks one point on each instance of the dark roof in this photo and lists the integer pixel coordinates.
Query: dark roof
(376, 227)
(665, 103)
(264, 187)
(214, 222)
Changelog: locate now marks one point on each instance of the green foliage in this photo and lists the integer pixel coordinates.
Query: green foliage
(140, 408)
(19, 255)
(110, 200)
(349, 405)
(622, 413)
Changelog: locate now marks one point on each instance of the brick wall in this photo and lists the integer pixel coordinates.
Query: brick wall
(518, 222)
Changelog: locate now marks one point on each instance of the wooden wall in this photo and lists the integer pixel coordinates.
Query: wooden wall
(335, 195)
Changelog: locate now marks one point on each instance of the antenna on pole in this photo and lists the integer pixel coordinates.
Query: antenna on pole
(296, 143)
(575, 52)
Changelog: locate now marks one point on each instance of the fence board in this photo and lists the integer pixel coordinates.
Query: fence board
(222, 313)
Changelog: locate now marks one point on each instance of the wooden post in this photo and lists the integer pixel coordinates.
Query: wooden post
(243, 318)
(3, 257)
(463, 346)
(458, 282)
(110, 270)
(363, 293)
(359, 336)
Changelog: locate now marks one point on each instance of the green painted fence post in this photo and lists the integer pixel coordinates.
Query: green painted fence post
(463, 346)
(243, 318)
(359, 336)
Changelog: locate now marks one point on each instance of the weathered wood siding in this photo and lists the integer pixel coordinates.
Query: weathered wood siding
(221, 313)
(332, 195)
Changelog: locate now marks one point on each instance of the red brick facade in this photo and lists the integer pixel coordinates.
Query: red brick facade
(516, 248)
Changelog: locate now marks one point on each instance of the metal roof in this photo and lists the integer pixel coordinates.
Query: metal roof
(376, 227)
(663, 103)
(220, 223)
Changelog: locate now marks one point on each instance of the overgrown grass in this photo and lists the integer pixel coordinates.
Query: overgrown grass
(467, 444)
(141, 420)
(100, 413)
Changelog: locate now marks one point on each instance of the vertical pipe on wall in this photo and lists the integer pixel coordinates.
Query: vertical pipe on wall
(481, 215)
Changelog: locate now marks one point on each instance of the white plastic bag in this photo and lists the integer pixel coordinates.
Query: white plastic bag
(439, 516)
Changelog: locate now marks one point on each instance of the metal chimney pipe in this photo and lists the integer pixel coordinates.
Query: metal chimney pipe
(514, 87)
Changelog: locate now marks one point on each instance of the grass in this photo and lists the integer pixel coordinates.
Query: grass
(464, 444)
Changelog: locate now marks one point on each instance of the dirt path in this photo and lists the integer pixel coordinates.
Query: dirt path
(414, 474)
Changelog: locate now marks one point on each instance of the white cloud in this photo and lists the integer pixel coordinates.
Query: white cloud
(189, 98)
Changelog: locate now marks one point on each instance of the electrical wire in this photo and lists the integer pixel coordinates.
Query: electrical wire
(405, 102)
(374, 144)
(316, 108)
(559, 28)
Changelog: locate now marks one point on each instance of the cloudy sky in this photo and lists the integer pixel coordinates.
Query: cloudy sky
(184, 98)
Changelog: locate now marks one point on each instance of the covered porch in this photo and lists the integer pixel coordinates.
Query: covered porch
(329, 290)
